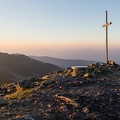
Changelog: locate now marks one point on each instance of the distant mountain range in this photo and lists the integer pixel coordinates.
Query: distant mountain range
(15, 67)
(63, 63)
(82, 54)
(91, 54)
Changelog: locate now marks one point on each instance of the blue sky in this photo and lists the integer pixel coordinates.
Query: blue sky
(31, 26)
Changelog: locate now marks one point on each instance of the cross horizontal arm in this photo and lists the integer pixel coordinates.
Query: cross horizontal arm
(107, 24)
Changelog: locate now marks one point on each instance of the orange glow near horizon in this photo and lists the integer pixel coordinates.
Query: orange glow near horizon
(27, 45)
(45, 44)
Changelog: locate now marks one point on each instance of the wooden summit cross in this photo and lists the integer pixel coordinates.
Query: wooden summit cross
(106, 25)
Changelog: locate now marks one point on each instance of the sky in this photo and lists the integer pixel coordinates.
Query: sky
(45, 27)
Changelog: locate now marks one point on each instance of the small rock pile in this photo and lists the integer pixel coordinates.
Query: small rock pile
(76, 93)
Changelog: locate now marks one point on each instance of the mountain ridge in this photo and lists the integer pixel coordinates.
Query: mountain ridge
(16, 67)
(82, 53)
(63, 62)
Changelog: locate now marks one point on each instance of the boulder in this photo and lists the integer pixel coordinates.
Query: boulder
(3, 91)
(45, 77)
(60, 78)
(74, 73)
(85, 110)
(111, 62)
(91, 65)
(97, 71)
(25, 84)
(87, 75)
(47, 82)
(3, 102)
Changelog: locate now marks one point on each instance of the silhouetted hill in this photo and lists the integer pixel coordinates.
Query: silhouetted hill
(14, 67)
(63, 62)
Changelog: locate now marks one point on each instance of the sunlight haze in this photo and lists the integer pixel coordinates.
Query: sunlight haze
(47, 27)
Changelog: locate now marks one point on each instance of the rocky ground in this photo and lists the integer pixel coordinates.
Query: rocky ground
(81, 93)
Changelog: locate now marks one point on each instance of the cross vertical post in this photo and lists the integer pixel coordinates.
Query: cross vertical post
(106, 39)
(106, 25)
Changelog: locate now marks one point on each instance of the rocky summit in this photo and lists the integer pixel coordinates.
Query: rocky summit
(76, 93)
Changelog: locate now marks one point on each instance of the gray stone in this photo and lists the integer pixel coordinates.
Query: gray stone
(3, 102)
(85, 110)
(58, 77)
(45, 77)
(25, 117)
(47, 82)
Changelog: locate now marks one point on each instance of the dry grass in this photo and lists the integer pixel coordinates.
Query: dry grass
(20, 93)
